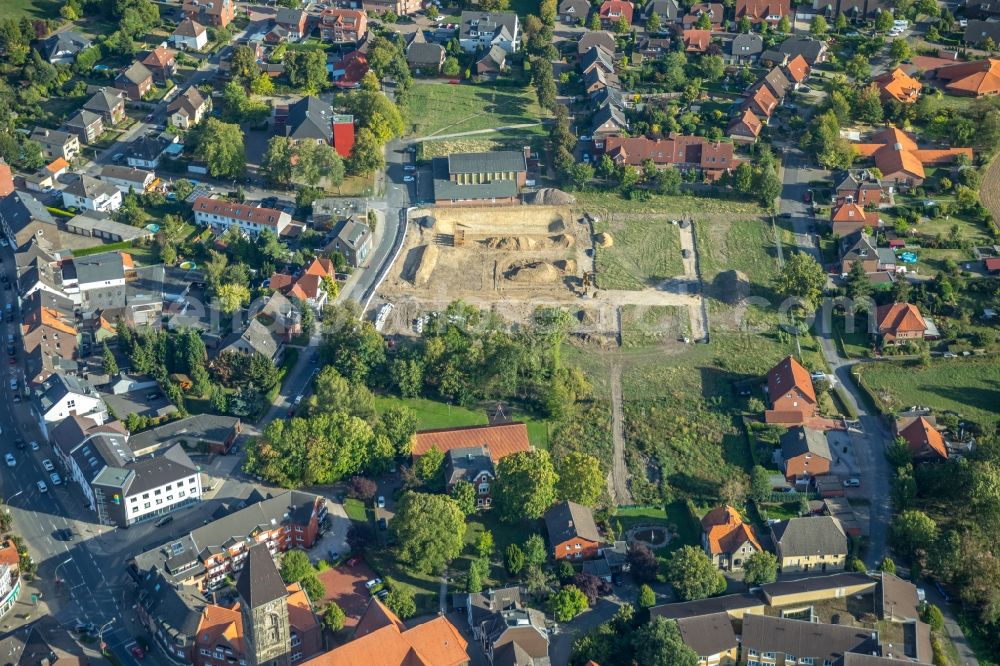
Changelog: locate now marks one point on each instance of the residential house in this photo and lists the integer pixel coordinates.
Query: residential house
(777, 82)
(481, 30)
(854, 10)
(858, 246)
(212, 432)
(397, 7)
(898, 85)
(477, 178)
(598, 78)
(696, 41)
(812, 50)
(216, 13)
(500, 439)
(767, 639)
(652, 47)
(976, 78)
(48, 335)
(68, 395)
(713, 10)
(310, 286)
(493, 63)
(572, 532)
(773, 58)
(188, 108)
(269, 330)
(797, 71)
(352, 239)
(790, 393)
(711, 637)
(344, 26)
(806, 455)
(62, 47)
(349, 71)
(23, 218)
(982, 9)
(307, 119)
(597, 58)
(862, 188)
(763, 11)
(87, 125)
(56, 143)
(613, 11)
(815, 543)
(902, 322)
(474, 466)
(220, 215)
(977, 32)
(761, 102)
(923, 439)
(609, 120)
(135, 81)
(592, 38)
(901, 161)
(745, 48)
(848, 218)
(727, 539)
(87, 193)
(381, 637)
(424, 57)
(668, 11)
(510, 632)
(128, 178)
(145, 152)
(97, 281)
(745, 128)
(292, 20)
(712, 159)
(190, 36)
(574, 12)
(212, 551)
(162, 62)
(109, 103)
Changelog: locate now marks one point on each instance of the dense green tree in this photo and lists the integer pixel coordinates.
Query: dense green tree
(464, 494)
(760, 484)
(646, 598)
(377, 113)
(232, 297)
(704, 21)
(840, 23)
(306, 70)
(801, 277)
(400, 601)
(525, 485)
(693, 575)
(883, 21)
(429, 531)
(222, 147)
(318, 161)
(580, 478)
(430, 466)
(535, 553)
(243, 63)
(110, 364)
(818, 27)
(334, 617)
(899, 50)
(659, 643)
(277, 161)
(913, 532)
(784, 25)
(399, 423)
(868, 104)
(366, 154)
(653, 24)
(295, 566)
(760, 568)
(859, 285)
(515, 559)
(567, 603)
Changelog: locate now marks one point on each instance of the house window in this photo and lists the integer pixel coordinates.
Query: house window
(769, 655)
(754, 653)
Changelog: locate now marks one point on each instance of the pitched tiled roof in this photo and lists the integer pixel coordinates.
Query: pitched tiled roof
(617, 8)
(675, 150)
(189, 28)
(798, 69)
(757, 10)
(748, 120)
(815, 535)
(787, 375)
(764, 100)
(708, 635)
(159, 57)
(567, 520)
(899, 317)
(725, 530)
(697, 40)
(979, 77)
(898, 85)
(921, 435)
(237, 211)
(501, 439)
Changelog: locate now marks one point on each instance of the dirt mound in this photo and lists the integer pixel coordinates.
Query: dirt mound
(557, 226)
(510, 243)
(566, 266)
(548, 196)
(604, 240)
(731, 287)
(428, 260)
(563, 240)
(539, 272)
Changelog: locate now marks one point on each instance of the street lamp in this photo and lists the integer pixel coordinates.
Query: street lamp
(7, 501)
(100, 634)
(56, 572)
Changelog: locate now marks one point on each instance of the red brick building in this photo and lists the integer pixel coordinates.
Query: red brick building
(900, 322)
(791, 394)
(712, 158)
(572, 532)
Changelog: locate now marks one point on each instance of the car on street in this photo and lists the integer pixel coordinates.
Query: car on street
(166, 520)
(13, 384)
(373, 583)
(118, 157)
(10, 460)
(153, 396)
(34, 446)
(408, 179)
(82, 627)
(380, 503)
(47, 465)
(55, 479)
(137, 652)
(409, 167)
(853, 482)
(42, 488)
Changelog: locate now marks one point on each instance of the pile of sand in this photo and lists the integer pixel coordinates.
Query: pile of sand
(539, 272)
(549, 197)
(604, 240)
(428, 260)
(563, 240)
(510, 243)
(567, 265)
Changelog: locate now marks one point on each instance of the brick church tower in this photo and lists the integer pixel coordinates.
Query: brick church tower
(264, 604)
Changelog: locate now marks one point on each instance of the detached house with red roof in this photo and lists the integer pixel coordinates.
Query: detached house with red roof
(924, 441)
(791, 394)
(572, 532)
(806, 455)
(309, 287)
(977, 78)
(162, 62)
(901, 161)
(745, 128)
(850, 217)
(898, 85)
(727, 539)
(612, 11)
(902, 322)
(714, 10)
(500, 440)
(762, 11)
(696, 41)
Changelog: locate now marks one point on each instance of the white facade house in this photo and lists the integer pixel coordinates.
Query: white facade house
(126, 178)
(481, 30)
(221, 215)
(88, 193)
(190, 36)
(96, 281)
(10, 588)
(67, 395)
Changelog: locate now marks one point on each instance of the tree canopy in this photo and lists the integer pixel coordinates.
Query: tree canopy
(429, 531)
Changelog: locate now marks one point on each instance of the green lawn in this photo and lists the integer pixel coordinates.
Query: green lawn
(35, 9)
(432, 415)
(646, 325)
(356, 510)
(968, 386)
(744, 245)
(666, 205)
(446, 109)
(855, 344)
(645, 252)
(676, 514)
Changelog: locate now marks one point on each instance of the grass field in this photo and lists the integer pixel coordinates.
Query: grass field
(432, 415)
(447, 109)
(646, 251)
(646, 325)
(35, 9)
(968, 386)
(680, 205)
(745, 245)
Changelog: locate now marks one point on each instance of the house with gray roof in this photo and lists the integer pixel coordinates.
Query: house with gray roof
(68, 395)
(474, 466)
(62, 47)
(56, 143)
(806, 454)
(146, 152)
(269, 329)
(812, 641)
(572, 531)
(478, 178)
(135, 81)
(812, 50)
(573, 12)
(492, 63)
(352, 239)
(96, 281)
(480, 30)
(814, 543)
(593, 38)
(109, 103)
(711, 637)
(309, 119)
(87, 125)
(89, 193)
(424, 57)
(609, 119)
(212, 432)
(668, 11)
(18, 212)
(745, 48)
(509, 632)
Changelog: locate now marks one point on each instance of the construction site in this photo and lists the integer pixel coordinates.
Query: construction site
(513, 260)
